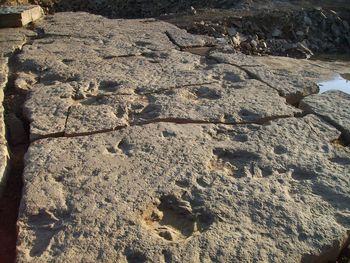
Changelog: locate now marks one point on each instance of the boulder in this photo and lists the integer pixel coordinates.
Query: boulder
(18, 16)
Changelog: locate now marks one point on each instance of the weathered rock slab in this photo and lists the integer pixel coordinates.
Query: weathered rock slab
(292, 87)
(54, 102)
(125, 72)
(52, 110)
(187, 193)
(333, 106)
(229, 102)
(18, 16)
(123, 75)
(163, 155)
(10, 40)
(183, 39)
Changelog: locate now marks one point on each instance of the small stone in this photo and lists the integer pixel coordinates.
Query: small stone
(346, 25)
(156, 215)
(307, 21)
(204, 181)
(193, 10)
(323, 15)
(21, 85)
(166, 234)
(231, 31)
(24, 82)
(263, 44)
(236, 41)
(304, 49)
(307, 30)
(254, 43)
(80, 95)
(335, 30)
(222, 40)
(276, 32)
(242, 37)
(348, 40)
(300, 33)
(247, 46)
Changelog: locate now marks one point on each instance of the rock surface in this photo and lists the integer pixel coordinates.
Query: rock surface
(52, 110)
(293, 87)
(10, 40)
(145, 152)
(169, 192)
(183, 39)
(4, 155)
(20, 15)
(332, 106)
(101, 73)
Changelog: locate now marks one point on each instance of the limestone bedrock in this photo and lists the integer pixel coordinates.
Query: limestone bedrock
(10, 41)
(107, 74)
(145, 152)
(333, 106)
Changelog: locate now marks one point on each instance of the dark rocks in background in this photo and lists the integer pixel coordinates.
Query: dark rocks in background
(298, 33)
(255, 27)
(133, 8)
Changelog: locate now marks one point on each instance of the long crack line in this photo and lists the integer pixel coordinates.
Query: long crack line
(249, 73)
(178, 121)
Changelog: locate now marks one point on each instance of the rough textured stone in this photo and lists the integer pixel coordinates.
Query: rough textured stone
(231, 102)
(4, 160)
(124, 72)
(166, 192)
(51, 109)
(54, 102)
(3, 147)
(186, 167)
(316, 70)
(18, 16)
(84, 119)
(4, 154)
(118, 74)
(292, 87)
(333, 106)
(185, 40)
(10, 40)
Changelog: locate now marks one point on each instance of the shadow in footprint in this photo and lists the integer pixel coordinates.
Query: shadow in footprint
(240, 161)
(174, 219)
(44, 231)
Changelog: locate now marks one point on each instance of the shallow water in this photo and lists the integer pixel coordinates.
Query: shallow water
(339, 82)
